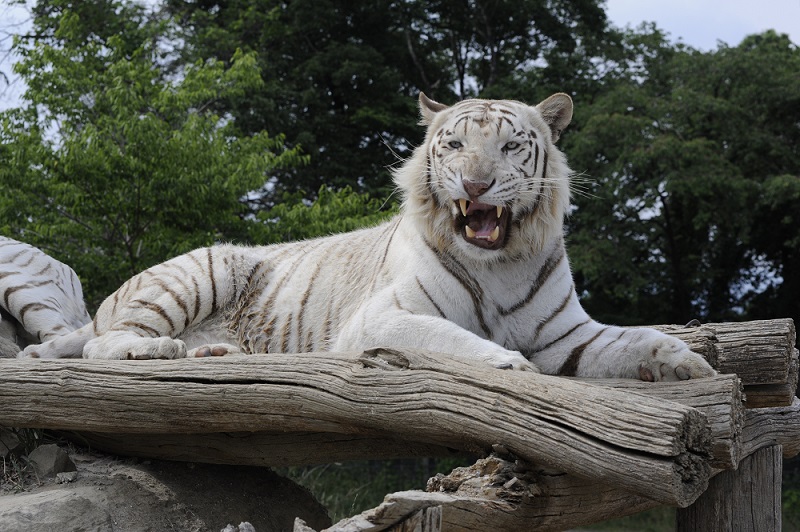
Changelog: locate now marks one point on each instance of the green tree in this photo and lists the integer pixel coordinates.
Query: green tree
(692, 159)
(341, 78)
(332, 211)
(112, 166)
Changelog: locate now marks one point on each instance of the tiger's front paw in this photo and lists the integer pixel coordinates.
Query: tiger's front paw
(672, 360)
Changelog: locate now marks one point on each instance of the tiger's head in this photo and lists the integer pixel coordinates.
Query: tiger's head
(489, 182)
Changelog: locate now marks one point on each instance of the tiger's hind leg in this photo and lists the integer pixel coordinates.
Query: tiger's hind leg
(175, 306)
(213, 339)
(214, 350)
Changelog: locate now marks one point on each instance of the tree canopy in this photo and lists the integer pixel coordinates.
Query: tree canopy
(341, 77)
(681, 219)
(111, 166)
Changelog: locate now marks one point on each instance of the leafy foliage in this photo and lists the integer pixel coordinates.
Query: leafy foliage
(111, 167)
(685, 162)
(341, 78)
(331, 212)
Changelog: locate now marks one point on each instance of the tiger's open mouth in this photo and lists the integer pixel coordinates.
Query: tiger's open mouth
(481, 224)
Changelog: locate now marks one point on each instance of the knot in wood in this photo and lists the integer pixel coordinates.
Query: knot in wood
(384, 358)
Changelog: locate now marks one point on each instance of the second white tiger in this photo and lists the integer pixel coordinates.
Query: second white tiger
(474, 265)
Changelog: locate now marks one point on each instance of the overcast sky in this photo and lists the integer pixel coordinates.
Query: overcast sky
(702, 23)
(697, 23)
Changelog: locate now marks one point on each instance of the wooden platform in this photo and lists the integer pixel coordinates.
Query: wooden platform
(567, 452)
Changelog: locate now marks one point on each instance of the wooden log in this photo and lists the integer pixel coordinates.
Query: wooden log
(719, 398)
(771, 395)
(266, 449)
(736, 432)
(396, 514)
(767, 427)
(745, 500)
(497, 494)
(759, 352)
(653, 447)
(425, 520)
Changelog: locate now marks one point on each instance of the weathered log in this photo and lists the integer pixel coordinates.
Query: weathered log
(718, 398)
(656, 448)
(736, 433)
(769, 342)
(745, 500)
(496, 494)
(767, 427)
(761, 353)
(771, 395)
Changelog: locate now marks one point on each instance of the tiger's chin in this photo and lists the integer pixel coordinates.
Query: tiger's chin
(482, 225)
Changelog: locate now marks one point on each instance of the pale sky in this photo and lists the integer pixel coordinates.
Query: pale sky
(697, 23)
(702, 23)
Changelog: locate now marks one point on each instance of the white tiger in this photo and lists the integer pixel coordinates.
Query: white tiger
(474, 265)
(42, 298)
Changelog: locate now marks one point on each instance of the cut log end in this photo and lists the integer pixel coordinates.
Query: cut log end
(693, 464)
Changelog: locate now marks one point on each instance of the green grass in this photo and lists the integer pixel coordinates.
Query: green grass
(791, 495)
(655, 520)
(349, 488)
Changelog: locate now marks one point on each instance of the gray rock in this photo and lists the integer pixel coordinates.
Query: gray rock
(52, 510)
(66, 477)
(49, 460)
(9, 443)
(243, 527)
(109, 494)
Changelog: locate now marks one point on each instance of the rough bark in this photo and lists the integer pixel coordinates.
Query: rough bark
(745, 500)
(656, 448)
(718, 398)
(759, 352)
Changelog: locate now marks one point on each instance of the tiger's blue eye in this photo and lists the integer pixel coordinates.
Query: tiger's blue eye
(454, 144)
(511, 146)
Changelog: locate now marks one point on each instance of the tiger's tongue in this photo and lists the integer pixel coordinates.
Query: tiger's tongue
(483, 223)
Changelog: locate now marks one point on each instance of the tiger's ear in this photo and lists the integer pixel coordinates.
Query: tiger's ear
(428, 109)
(557, 112)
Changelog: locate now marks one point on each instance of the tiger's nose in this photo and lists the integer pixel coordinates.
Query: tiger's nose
(476, 188)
